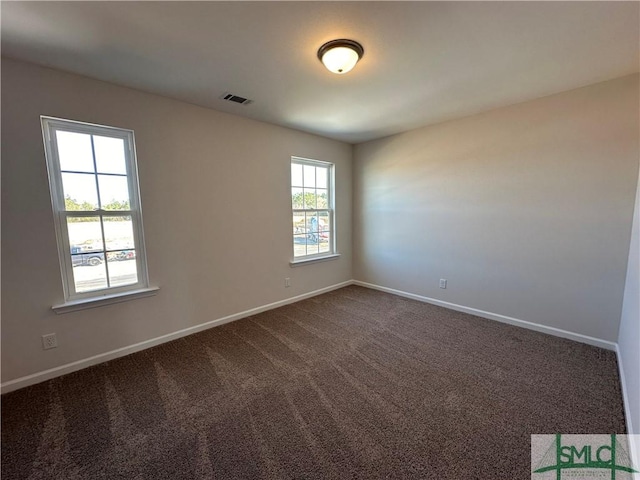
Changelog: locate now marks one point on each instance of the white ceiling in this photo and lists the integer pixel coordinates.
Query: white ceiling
(424, 62)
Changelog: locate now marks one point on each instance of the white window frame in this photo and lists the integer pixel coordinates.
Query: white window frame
(50, 125)
(332, 253)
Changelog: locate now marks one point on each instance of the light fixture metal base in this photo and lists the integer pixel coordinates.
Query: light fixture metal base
(342, 42)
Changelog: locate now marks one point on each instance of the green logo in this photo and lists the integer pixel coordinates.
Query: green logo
(582, 456)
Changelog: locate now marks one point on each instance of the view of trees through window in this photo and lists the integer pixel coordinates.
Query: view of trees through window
(72, 205)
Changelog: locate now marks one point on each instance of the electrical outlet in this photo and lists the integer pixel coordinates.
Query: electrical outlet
(49, 341)
(443, 283)
(287, 282)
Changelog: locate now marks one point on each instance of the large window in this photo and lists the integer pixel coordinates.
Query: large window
(96, 204)
(313, 210)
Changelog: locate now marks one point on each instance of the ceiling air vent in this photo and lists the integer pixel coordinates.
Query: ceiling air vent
(230, 97)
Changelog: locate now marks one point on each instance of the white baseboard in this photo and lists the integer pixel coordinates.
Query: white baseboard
(578, 337)
(32, 379)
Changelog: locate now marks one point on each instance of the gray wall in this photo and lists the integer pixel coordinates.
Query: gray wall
(525, 210)
(629, 337)
(216, 202)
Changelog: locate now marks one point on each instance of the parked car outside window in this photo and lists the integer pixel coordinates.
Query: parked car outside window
(81, 257)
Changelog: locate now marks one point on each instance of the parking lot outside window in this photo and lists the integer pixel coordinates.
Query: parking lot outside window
(96, 205)
(312, 200)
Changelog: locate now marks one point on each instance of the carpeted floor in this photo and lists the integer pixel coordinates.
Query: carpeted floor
(350, 384)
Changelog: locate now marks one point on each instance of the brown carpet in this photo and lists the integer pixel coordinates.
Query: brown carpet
(350, 384)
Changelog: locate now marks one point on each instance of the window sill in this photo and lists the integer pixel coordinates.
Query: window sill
(85, 303)
(305, 261)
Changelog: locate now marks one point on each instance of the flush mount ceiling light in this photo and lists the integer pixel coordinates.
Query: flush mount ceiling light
(340, 56)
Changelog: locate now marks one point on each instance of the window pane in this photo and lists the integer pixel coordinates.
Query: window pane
(122, 268)
(312, 248)
(324, 241)
(121, 255)
(324, 232)
(87, 259)
(310, 198)
(114, 192)
(309, 174)
(85, 234)
(85, 239)
(323, 198)
(89, 273)
(312, 226)
(109, 155)
(323, 219)
(297, 198)
(322, 177)
(118, 232)
(299, 245)
(79, 191)
(296, 175)
(74, 151)
(298, 224)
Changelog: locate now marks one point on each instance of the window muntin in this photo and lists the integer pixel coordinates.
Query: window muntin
(96, 204)
(312, 204)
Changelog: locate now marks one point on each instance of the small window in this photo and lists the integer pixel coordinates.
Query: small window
(98, 218)
(312, 198)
